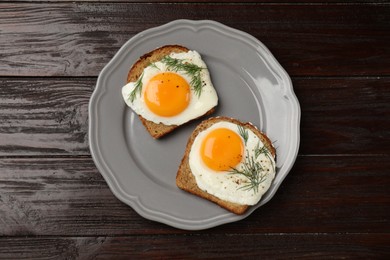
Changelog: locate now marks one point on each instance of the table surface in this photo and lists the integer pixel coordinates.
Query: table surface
(54, 204)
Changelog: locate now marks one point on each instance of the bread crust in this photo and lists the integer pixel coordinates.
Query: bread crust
(154, 129)
(185, 180)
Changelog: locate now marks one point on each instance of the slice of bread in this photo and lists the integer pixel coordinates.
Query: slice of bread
(155, 130)
(185, 180)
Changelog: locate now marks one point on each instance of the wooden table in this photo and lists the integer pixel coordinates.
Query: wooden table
(54, 204)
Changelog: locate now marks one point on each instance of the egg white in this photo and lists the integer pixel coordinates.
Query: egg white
(226, 185)
(197, 107)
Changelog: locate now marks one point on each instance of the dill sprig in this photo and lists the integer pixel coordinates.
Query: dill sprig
(254, 173)
(174, 65)
(153, 65)
(259, 150)
(251, 168)
(263, 150)
(137, 88)
(244, 133)
(190, 69)
(138, 84)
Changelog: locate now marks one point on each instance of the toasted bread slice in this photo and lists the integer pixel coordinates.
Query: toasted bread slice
(155, 130)
(185, 180)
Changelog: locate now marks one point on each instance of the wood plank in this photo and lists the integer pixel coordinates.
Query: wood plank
(322, 194)
(344, 116)
(44, 116)
(318, 246)
(78, 39)
(339, 116)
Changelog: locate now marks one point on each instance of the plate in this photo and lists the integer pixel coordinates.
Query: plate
(141, 171)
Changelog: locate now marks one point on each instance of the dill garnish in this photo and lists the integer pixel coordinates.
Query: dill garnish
(153, 65)
(243, 132)
(174, 65)
(189, 68)
(137, 88)
(251, 168)
(263, 150)
(138, 84)
(253, 171)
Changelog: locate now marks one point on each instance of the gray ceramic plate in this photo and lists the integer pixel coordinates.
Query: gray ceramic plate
(141, 171)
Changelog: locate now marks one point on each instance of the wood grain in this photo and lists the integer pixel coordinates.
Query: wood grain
(344, 116)
(78, 39)
(339, 116)
(54, 204)
(331, 194)
(39, 116)
(318, 246)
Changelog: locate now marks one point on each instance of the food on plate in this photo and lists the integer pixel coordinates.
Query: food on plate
(169, 87)
(228, 162)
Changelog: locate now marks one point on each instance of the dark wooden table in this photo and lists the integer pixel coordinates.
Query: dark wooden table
(54, 204)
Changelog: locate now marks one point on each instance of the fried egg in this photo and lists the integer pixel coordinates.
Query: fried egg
(219, 157)
(173, 90)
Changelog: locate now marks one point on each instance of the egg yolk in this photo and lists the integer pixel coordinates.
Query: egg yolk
(222, 149)
(167, 94)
